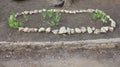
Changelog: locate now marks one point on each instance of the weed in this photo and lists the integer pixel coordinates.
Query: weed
(43, 13)
(25, 17)
(50, 14)
(100, 15)
(52, 23)
(13, 22)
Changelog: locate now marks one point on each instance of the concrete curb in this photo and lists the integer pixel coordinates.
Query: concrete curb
(86, 44)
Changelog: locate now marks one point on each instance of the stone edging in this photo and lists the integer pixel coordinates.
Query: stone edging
(68, 30)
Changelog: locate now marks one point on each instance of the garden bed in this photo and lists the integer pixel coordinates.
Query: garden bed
(71, 20)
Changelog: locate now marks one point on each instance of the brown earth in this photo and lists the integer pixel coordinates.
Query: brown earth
(59, 56)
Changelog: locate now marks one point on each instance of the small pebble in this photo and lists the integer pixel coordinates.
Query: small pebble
(72, 31)
(55, 31)
(83, 29)
(42, 29)
(97, 31)
(113, 23)
(111, 29)
(48, 30)
(20, 28)
(77, 30)
(62, 30)
(89, 30)
(68, 30)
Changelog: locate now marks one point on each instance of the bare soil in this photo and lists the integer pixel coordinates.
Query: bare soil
(111, 7)
(59, 56)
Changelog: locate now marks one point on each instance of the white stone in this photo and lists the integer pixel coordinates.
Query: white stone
(44, 10)
(26, 12)
(72, 31)
(90, 10)
(20, 28)
(62, 11)
(62, 30)
(77, 30)
(103, 30)
(97, 31)
(113, 23)
(106, 28)
(48, 30)
(70, 12)
(89, 30)
(31, 30)
(83, 29)
(42, 29)
(93, 28)
(31, 12)
(35, 29)
(74, 12)
(36, 11)
(66, 11)
(111, 29)
(68, 30)
(108, 16)
(25, 29)
(40, 11)
(55, 31)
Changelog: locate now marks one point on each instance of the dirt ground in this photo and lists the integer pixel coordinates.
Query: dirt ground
(59, 56)
(111, 7)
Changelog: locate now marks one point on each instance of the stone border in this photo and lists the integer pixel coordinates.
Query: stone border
(68, 30)
(84, 44)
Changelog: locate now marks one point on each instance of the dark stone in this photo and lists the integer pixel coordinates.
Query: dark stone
(60, 4)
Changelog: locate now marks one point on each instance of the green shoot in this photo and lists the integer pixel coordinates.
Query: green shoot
(25, 17)
(43, 13)
(50, 14)
(13, 22)
(57, 17)
(100, 15)
(52, 23)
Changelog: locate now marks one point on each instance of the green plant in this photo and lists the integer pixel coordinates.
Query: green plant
(52, 23)
(57, 17)
(100, 15)
(25, 17)
(13, 22)
(50, 14)
(44, 14)
(52, 17)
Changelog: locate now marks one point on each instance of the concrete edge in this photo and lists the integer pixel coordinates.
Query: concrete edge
(87, 44)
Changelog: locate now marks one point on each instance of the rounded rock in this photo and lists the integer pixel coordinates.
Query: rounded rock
(113, 23)
(103, 30)
(83, 29)
(48, 30)
(42, 29)
(97, 31)
(72, 31)
(77, 30)
(20, 28)
(68, 30)
(62, 30)
(111, 29)
(26, 29)
(89, 30)
(55, 31)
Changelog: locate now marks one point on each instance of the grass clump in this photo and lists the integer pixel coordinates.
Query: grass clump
(100, 15)
(53, 18)
(13, 23)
